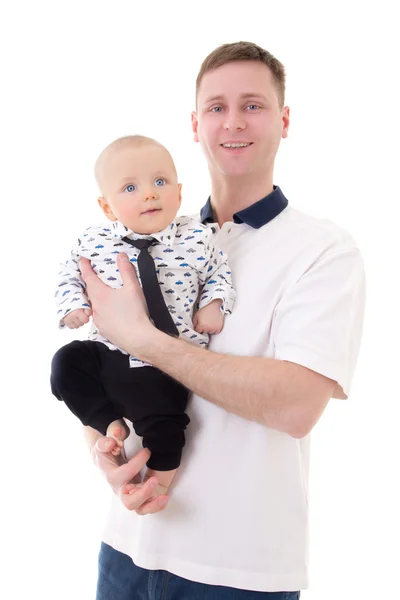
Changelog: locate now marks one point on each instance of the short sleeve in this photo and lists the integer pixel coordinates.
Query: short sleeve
(319, 319)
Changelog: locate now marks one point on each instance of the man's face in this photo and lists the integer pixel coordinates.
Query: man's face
(238, 121)
(140, 188)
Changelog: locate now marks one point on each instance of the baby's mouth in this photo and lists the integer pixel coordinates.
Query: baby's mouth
(151, 211)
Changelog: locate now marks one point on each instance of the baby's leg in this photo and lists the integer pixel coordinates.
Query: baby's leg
(119, 431)
(164, 479)
(159, 418)
(77, 380)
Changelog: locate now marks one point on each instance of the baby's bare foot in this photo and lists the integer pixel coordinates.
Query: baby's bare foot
(164, 479)
(119, 431)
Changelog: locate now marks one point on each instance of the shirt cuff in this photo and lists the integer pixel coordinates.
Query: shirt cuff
(227, 297)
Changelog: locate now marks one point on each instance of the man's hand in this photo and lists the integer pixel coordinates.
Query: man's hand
(125, 480)
(77, 318)
(120, 314)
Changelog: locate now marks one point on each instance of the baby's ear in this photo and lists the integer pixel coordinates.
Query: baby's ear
(105, 207)
(180, 192)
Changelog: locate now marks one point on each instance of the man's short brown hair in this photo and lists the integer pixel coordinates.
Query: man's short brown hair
(244, 51)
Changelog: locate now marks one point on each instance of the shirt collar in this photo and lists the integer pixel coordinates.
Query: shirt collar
(165, 236)
(256, 215)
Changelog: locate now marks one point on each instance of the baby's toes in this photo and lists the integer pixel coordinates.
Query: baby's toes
(116, 432)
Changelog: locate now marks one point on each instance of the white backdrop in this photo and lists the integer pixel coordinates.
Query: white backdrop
(76, 75)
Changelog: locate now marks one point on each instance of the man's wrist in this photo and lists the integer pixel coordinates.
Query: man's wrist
(156, 343)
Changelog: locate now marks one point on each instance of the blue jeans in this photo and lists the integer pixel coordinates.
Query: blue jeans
(121, 579)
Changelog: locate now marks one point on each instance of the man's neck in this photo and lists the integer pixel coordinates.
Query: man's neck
(230, 195)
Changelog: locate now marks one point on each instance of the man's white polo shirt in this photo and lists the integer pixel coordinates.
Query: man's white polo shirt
(238, 510)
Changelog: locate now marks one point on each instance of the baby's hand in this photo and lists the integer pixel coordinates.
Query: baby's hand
(77, 318)
(210, 318)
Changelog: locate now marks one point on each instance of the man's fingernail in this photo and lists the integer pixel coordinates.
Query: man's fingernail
(162, 502)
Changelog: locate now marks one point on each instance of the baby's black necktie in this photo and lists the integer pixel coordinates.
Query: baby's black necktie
(158, 310)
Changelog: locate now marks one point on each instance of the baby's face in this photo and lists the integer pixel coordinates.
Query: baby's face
(140, 188)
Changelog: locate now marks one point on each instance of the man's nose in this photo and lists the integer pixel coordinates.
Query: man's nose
(234, 121)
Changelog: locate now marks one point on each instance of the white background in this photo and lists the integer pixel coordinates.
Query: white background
(76, 75)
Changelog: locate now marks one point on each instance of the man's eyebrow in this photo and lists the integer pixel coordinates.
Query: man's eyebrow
(213, 99)
(244, 96)
(253, 95)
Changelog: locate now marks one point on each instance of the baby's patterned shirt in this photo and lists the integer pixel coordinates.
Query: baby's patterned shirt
(191, 272)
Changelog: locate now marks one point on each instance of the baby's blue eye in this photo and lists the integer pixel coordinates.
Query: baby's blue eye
(160, 181)
(130, 188)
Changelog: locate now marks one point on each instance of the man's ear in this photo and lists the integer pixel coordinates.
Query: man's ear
(195, 124)
(105, 207)
(285, 121)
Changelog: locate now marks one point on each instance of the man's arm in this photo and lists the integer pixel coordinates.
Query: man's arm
(278, 394)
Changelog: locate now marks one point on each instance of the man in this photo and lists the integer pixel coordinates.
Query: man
(290, 345)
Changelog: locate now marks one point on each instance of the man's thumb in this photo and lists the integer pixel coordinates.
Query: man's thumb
(88, 311)
(105, 444)
(126, 268)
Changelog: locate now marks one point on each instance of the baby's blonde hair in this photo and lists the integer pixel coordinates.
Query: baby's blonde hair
(119, 143)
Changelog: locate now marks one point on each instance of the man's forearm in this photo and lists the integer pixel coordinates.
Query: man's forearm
(271, 392)
(278, 394)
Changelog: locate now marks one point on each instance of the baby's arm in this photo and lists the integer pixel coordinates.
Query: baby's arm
(217, 296)
(73, 307)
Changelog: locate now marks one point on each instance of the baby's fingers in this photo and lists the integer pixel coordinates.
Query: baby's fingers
(82, 318)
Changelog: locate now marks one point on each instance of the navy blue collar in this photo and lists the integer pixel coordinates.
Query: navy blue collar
(256, 215)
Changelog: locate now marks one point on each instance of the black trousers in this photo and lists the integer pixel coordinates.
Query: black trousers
(98, 386)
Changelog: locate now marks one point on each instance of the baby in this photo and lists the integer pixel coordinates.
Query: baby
(100, 383)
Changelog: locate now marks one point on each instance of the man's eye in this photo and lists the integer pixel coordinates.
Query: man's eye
(216, 109)
(130, 188)
(253, 106)
(160, 181)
